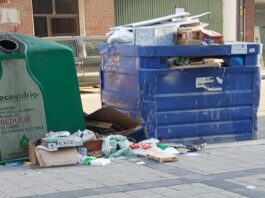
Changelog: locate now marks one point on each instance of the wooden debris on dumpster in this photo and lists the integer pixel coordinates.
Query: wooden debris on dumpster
(190, 34)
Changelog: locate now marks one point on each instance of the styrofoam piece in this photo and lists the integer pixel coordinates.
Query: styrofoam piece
(171, 150)
(100, 162)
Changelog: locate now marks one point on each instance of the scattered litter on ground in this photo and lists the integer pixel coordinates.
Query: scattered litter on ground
(141, 163)
(100, 162)
(162, 157)
(251, 187)
(27, 163)
(192, 154)
(171, 151)
(15, 163)
(88, 160)
(116, 146)
(195, 148)
(183, 150)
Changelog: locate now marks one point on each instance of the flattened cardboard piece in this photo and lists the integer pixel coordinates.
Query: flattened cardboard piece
(64, 156)
(104, 125)
(122, 124)
(41, 158)
(110, 115)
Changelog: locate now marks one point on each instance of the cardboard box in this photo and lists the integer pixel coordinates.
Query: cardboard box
(93, 145)
(119, 124)
(42, 158)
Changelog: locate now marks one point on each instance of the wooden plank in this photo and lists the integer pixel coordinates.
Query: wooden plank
(162, 158)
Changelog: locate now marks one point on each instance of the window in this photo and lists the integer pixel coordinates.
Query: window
(55, 17)
(92, 47)
(71, 44)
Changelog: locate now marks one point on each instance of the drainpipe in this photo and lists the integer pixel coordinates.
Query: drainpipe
(241, 26)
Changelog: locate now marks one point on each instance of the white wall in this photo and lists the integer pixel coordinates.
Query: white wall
(230, 20)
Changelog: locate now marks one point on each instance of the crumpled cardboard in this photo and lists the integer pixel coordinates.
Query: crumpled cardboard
(108, 121)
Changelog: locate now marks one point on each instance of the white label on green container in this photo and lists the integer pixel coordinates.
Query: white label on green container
(22, 114)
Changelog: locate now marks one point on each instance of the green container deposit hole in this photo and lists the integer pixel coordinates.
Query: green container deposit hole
(8, 45)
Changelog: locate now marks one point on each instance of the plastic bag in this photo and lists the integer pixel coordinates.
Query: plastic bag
(116, 146)
(121, 36)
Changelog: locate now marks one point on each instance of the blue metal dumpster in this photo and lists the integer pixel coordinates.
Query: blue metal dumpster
(185, 105)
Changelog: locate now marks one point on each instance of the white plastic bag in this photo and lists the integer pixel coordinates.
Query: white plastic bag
(121, 36)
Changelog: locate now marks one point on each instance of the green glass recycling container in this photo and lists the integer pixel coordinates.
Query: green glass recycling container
(38, 92)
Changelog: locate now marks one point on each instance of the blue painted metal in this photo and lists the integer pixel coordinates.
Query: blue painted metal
(188, 105)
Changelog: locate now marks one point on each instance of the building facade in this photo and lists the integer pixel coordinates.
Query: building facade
(46, 18)
(57, 17)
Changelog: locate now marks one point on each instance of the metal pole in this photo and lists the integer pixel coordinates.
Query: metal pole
(241, 25)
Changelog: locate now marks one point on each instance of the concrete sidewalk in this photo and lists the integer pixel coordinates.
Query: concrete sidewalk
(220, 170)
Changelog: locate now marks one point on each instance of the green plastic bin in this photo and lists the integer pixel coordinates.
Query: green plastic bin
(38, 92)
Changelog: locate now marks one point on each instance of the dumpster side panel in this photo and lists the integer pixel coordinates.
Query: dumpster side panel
(200, 102)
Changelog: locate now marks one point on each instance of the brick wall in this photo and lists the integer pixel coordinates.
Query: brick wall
(26, 17)
(99, 16)
(249, 20)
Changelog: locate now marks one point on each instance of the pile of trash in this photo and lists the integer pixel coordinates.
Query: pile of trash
(177, 29)
(61, 148)
(109, 135)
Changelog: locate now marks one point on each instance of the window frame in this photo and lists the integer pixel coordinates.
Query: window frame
(49, 18)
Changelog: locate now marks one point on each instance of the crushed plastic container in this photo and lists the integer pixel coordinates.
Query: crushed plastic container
(185, 105)
(38, 92)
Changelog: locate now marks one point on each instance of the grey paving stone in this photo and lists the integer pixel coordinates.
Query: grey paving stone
(117, 195)
(138, 193)
(145, 194)
(165, 191)
(231, 187)
(93, 196)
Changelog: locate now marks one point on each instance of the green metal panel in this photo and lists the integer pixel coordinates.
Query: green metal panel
(128, 11)
(162, 8)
